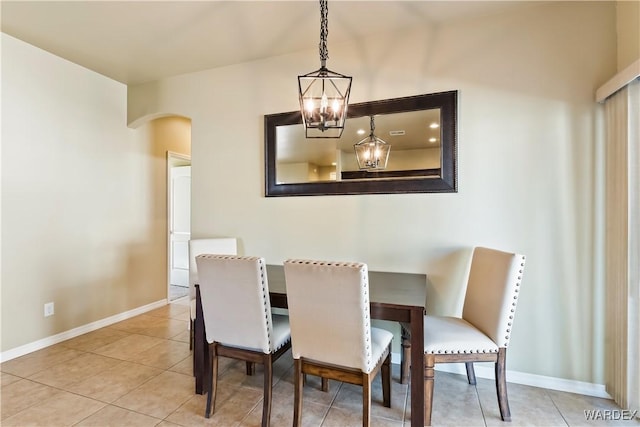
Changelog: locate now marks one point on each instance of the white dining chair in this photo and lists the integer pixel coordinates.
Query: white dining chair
(217, 245)
(234, 292)
(331, 333)
(483, 332)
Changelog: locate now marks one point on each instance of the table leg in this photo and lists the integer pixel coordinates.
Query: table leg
(417, 368)
(200, 347)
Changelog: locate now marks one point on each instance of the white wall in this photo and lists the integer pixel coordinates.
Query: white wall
(530, 166)
(83, 199)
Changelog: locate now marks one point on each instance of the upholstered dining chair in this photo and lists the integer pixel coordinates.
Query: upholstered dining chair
(331, 333)
(234, 291)
(482, 333)
(219, 246)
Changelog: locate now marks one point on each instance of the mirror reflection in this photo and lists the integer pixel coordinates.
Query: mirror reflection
(414, 137)
(421, 131)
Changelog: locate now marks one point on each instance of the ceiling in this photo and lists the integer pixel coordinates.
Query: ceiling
(139, 41)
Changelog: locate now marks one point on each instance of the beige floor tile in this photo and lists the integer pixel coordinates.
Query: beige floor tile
(74, 370)
(94, 340)
(6, 379)
(455, 402)
(166, 328)
(159, 396)
(236, 376)
(167, 424)
(185, 366)
(312, 391)
(172, 311)
(338, 417)
(23, 394)
(530, 406)
(163, 355)
(153, 326)
(231, 407)
(129, 347)
(184, 336)
(573, 407)
(350, 397)
(62, 409)
(282, 413)
(37, 361)
(192, 412)
(113, 383)
(113, 416)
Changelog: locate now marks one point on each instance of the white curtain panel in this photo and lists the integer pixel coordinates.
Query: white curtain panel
(634, 242)
(623, 246)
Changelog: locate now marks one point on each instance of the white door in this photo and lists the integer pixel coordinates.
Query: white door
(179, 225)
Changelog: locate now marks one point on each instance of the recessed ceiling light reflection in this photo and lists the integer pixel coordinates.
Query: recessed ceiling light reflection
(432, 140)
(434, 125)
(361, 131)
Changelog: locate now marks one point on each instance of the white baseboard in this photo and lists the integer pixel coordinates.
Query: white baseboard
(72, 333)
(551, 383)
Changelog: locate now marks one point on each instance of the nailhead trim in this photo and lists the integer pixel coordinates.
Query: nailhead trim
(265, 293)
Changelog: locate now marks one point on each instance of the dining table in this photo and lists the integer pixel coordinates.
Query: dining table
(393, 296)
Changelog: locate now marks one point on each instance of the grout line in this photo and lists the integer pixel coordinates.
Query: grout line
(556, 406)
(484, 418)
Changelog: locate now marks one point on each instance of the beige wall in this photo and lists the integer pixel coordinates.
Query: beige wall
(530, 166)
(628, 25)
(83, 197)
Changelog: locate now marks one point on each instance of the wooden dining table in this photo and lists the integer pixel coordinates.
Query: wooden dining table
(398, 297)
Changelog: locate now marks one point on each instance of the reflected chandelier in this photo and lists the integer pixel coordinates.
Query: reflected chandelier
(323, 94)
(372, 152)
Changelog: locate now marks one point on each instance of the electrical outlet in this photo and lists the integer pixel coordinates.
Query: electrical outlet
(48, 309)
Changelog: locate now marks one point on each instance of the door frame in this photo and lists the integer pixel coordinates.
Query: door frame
(173, 160)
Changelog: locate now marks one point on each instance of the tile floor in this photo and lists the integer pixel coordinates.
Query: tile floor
(139, 373)
(176, 292)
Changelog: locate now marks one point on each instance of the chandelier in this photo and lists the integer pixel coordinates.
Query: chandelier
(323, 94)
(372, 152)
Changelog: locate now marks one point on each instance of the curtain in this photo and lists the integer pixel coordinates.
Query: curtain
(622, 354)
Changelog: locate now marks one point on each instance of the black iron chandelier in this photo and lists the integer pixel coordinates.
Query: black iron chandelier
(324, 94)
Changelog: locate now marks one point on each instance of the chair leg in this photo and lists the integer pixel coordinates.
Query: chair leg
(191, 335)
(268, 380)
(251, 368)
(471, 373)
(212, 363)
(386, 381)
(405, 356)
(366, 400)
(501, 385)
(429, 371)
(297, 385)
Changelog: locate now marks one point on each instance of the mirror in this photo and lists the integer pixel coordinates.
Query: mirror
(420, 129)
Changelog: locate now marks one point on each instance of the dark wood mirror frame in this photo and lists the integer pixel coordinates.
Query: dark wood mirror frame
(446, 182)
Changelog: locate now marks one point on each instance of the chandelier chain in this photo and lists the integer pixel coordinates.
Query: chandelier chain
(324, 53)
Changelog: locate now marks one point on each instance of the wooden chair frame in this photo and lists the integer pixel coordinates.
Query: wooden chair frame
(304, 366)
(251, 357)
(430, 360)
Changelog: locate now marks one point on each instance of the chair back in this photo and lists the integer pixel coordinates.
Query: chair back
(219, 246)
(235, 301)
(492, 292)
(329, 312)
